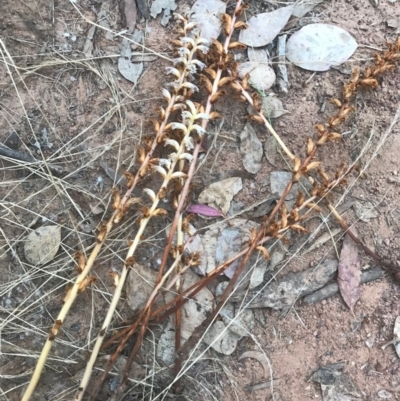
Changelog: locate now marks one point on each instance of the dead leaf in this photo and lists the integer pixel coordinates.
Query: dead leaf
(258, 55)
(365, 211)
(139, 286)
(204, 210)
(263, 28)
(130, 71)
(159, 5)
(258, 356)
(279, 181)
(270, 150)
(42, 244)
(194, 311)
(262, 76)
(317, 47)
(96, 208)
(219, 194)
(239, 322)
(207, 15)
(282, 294)
(250, 149)
(129, 14)
(349, 272)
(304, 7)
(222, 240)
(221, 339)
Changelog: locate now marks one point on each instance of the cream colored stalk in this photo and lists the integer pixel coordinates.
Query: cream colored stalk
(167, 171)
(187, 52)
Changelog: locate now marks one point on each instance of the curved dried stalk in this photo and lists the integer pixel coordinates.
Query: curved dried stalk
(325, 134)
(166, 168)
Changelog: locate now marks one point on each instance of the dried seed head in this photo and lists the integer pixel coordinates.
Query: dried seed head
(245, 82)
(336, 102)
(130, 179)
(254, 117)
(297, 164)
(323, 174)
(226, 20)
(85, 283)
(299, 228)
(218, 46)
(312, 166)
(142, 154)
(256, 101)
(80, 261)
(240, 10)
(156, 125)
(237, 46)
(160, 212)
(218, 95)
(207, 83)
(215, 115)
(241, 25)
(210, 72)
(314, 206)
(264, 252)
(225, 81)
(300, 199)
(334, 136)
(284, 217)
(310, 146)
(116, 199)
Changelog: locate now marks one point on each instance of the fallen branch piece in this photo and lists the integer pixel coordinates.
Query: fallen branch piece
(281, 295)
(332, 289)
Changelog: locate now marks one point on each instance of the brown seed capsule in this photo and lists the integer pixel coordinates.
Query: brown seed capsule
(217, 96)
(312, 166)
(225, 81)
(85, 283)
(310, 146)
(264, 252)
(237, 46)
(254, 117)
(336, 102)
(297, 163)
(256, 101)
(207, 84)
(226, 20)
(298, 227)
(241, 25)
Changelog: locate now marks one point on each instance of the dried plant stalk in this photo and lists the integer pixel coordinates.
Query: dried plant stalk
(120, 209)
(166, 168)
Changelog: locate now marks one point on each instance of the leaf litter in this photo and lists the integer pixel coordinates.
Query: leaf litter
(220, 194)
(349, 272)
(42, 244)
(318, 47)
(365, 211)
(163, 6)
(262, 76)
(265, 27)
(207, 15)
(250, 149)
(130, 71)
(272, 107)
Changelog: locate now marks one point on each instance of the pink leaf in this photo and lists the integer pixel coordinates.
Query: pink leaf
(204, 210)
(349, 272)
